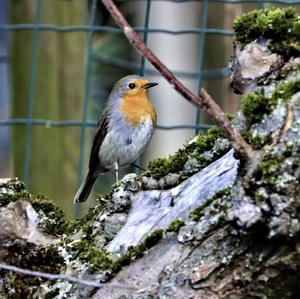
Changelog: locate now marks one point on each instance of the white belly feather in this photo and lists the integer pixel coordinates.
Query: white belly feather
(125, 148)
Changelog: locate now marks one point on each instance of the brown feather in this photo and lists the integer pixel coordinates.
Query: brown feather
(101, 132)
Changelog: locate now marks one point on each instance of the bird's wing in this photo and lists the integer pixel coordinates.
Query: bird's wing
(95, 163)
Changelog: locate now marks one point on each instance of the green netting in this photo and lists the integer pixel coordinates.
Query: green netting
(91, 28)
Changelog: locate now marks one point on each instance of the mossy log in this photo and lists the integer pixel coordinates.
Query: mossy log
(199, 224)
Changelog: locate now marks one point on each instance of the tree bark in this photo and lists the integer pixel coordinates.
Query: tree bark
(214, 228)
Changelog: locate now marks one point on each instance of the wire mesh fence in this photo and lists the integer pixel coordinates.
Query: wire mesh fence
(92, 28)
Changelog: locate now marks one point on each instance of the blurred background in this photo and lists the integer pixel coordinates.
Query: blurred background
(60, 58)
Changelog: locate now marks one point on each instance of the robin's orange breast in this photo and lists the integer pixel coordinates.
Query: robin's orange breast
(135, 108)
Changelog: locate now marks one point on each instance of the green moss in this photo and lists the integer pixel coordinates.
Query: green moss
(270, 167)
(79, 247)
(286, 90)
(255, 105)
(175, 225)
(198, 212)
(99, 259)
(96, 258)
(87, 229)
(14, 185)
(256, 141)
(138, 251)
(27, 256)
(277, 171)
(150, 241)
(6, 198)
(153, 238)
(160, 167)
(32, 258)
(52, 217)
(84, 223)
(297, 107)
(204, 142)
(230, 116)
(281, 25)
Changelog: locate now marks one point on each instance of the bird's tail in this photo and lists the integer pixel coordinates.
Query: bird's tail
(85, 188)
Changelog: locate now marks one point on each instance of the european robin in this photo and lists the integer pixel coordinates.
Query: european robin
(125, 127)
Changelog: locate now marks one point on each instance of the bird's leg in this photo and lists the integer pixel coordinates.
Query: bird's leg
(116, 168)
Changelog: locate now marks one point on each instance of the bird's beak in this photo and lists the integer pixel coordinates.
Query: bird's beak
(149, 85)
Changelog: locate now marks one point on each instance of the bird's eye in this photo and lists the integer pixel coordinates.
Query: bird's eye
(131, 85)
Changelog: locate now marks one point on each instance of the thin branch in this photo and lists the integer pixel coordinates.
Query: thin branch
(204, 101)
(89, 283)
(237, 141)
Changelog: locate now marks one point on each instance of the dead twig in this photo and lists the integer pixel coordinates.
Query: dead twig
(89, 283)
(204, 101)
